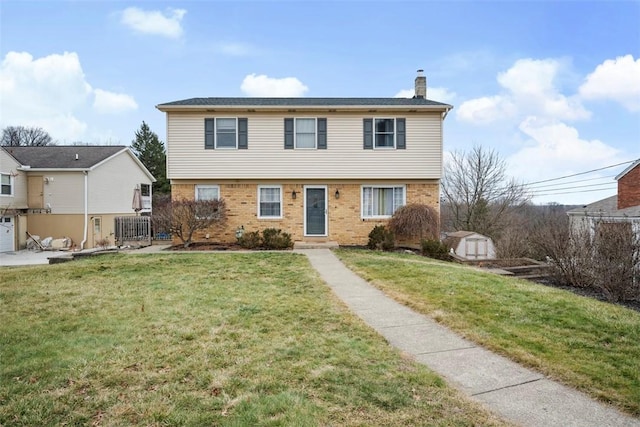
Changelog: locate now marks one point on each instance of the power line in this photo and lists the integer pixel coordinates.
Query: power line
(573, 192)
(581, 173)
(570, 188)
(572, 182)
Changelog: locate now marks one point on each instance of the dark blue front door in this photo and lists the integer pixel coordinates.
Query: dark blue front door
(316, 211)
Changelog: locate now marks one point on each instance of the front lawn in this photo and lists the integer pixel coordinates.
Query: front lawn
(202, 339)
(590, 345)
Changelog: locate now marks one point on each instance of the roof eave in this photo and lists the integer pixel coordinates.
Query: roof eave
(294, 108)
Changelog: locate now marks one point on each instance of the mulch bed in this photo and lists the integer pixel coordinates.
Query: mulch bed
(588, 292)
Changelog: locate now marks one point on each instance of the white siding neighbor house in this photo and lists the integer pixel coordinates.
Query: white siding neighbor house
(321, 169)
(68, 191)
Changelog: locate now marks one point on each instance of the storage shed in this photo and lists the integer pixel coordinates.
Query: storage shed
(470, 245)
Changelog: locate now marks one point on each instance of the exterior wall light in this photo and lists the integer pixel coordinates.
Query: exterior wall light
(337, 194)
(294, 194)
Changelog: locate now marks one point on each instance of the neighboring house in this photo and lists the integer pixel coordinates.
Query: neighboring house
(321, 169)
(623, 208)
(470, 245)
(68, 191)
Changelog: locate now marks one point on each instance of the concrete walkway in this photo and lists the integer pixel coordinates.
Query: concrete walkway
(517, 394)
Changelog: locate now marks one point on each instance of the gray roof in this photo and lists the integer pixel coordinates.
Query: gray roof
(303, 102)
(63, 156)
(607, 208)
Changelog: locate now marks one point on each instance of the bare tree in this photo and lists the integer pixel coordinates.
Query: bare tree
(14, 136)
(183, 218)
(478, 195)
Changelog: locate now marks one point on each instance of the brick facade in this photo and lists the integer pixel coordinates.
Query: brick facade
(629, 189)
(345, 224)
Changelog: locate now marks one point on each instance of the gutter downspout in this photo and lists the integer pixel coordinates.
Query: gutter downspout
(86, 209)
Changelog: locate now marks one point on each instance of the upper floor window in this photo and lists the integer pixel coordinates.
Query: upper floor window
(225, 132)
(145, 190)
(381, 201)
(305, 133)
(6, 184)
(384, 133)
(269, 201)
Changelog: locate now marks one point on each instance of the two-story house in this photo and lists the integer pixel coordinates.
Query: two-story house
(321, 169)
(623, 208)
(68, 191)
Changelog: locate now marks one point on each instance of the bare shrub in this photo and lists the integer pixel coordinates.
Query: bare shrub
(615, 269)
(568, 249)
(182, 218)
(415, 222)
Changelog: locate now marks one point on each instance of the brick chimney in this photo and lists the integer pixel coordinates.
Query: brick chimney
(421, 85)
(629, 188)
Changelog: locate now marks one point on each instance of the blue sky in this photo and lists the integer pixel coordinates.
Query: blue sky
(554, 87)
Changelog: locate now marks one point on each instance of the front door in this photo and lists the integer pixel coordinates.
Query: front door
(315, 210)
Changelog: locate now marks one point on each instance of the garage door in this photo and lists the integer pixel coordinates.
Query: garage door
(7, 234)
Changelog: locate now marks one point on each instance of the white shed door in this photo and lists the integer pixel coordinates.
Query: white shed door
(7, 234)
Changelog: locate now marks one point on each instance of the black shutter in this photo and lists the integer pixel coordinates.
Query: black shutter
(322, 134)
(209, 133)
(288, 134)
(243, 142)
(401, 132)
(368, 133)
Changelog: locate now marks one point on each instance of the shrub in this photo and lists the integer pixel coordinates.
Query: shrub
(250, 240)
(435, 249)
(275, 239)
(415, 221)
(380, 238)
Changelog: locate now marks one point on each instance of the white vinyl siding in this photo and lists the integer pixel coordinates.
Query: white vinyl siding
(111, 186)
(266, 157)
(381, 201)
(269, 201)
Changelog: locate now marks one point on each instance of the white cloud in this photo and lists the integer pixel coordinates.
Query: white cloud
(529, 88)
(486, 110)
(154, 22)
(50, 92)
(262, 85)
(616, 79)
(110, 102)
(555, 149)
(439, 94)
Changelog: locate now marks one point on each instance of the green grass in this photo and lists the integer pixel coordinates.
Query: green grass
(590, 345)
(202, 339)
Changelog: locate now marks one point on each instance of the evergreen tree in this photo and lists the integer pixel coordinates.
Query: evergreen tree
(151, 152)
